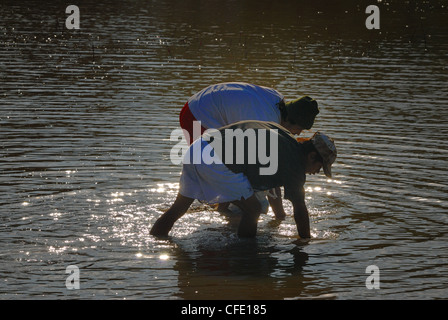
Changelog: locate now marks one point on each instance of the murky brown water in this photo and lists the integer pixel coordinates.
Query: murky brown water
(85, 122)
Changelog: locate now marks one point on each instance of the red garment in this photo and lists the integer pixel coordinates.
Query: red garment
(186, 119)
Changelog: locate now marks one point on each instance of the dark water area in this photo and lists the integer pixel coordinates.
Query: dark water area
(85, 122)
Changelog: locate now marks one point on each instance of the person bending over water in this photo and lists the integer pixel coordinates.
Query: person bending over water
(222, 104)
(213, 172)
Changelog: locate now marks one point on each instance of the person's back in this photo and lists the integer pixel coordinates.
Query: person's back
(264, 151)
(225, 103)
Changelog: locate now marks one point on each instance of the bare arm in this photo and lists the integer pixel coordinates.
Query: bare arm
(277, 204)
(301, 215)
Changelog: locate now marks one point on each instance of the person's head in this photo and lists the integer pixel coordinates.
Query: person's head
(298, 114)
(320, 152)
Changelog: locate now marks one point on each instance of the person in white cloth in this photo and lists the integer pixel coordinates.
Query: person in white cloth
(221, 167)
(222, 104)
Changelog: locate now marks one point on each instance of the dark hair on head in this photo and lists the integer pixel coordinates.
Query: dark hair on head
(308, 147)
(283, 113)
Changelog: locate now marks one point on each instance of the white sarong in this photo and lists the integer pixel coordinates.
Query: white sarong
(211, 183)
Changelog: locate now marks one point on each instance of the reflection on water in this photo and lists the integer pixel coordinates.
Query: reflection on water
(85, 124)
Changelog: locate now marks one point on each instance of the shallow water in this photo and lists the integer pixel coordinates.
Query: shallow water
(85, 123)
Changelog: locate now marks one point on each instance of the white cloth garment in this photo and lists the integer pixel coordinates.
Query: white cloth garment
(211, 183)
(225, 103)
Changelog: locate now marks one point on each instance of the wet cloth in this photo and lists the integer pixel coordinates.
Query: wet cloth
(211, 183)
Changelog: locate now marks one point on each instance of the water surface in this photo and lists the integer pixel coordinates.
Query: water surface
(85, 123)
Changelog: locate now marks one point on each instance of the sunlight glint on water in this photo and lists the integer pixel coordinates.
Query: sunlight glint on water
(85, 125)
